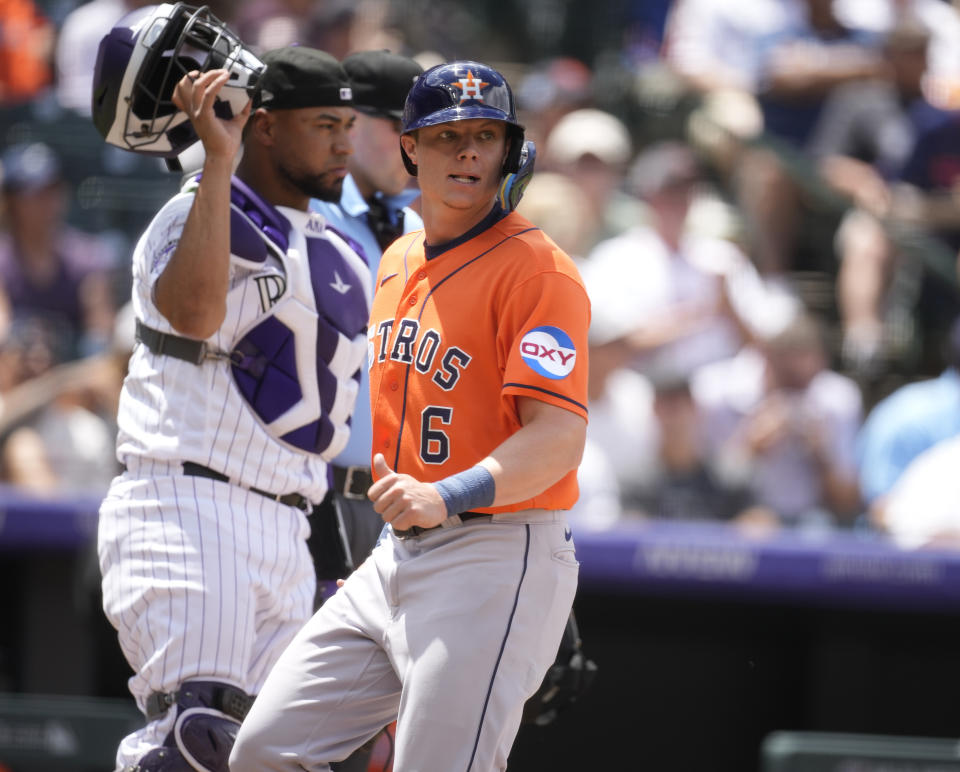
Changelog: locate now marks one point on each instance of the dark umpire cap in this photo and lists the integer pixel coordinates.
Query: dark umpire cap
(380, 81)
(299, 76)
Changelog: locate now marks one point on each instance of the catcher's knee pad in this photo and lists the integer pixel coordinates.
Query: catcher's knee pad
(208, 717)
(201, 741)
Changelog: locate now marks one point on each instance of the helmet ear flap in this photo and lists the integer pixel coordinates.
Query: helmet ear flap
(511, 164)
(411, 167)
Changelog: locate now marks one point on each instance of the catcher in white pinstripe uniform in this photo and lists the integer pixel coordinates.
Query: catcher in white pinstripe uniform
(252, 328)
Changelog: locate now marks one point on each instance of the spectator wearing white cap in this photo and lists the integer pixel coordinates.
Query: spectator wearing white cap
(593, 148)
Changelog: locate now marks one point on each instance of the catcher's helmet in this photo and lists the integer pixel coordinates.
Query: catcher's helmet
(458, 91)
(140, 62)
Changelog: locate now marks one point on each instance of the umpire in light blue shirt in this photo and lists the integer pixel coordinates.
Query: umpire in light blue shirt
(373, 210)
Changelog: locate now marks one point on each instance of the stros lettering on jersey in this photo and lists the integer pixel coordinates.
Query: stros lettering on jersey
(295, 332)
(454, 339)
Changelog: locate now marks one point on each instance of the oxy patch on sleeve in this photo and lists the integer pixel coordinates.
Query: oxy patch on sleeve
(549, 352)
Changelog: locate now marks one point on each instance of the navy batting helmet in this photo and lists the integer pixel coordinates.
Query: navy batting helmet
(458, 91)
(140, 62)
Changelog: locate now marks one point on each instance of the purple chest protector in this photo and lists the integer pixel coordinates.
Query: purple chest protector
(298, 365)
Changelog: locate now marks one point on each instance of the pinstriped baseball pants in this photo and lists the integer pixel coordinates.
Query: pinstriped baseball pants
(202, 580)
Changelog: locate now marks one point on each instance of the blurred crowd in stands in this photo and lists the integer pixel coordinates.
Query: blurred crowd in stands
(764, 201)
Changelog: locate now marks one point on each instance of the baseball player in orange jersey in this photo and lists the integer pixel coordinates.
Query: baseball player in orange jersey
(478, 340)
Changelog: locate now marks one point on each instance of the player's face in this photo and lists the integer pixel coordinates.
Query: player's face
(311, 149)
(459, 164)
(376, 164)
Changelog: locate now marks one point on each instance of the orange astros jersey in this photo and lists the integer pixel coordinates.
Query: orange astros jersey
(456, 338)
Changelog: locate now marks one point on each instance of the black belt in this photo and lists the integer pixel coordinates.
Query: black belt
(416, 530)
(290, 499)
(352, 482)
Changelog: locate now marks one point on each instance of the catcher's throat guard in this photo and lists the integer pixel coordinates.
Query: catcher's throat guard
(139, 63)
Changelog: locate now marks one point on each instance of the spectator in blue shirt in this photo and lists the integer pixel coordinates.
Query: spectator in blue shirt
(903, 425)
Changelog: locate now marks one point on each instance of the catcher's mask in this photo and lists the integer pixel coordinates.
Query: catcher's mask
(458, 91)
(140, 62)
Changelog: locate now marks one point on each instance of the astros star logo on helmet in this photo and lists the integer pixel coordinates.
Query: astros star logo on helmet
(470, 87)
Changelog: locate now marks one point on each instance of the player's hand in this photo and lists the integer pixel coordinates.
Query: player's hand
(196, 94)
(402, 500)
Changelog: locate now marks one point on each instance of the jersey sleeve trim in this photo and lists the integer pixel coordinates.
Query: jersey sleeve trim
(554, 394)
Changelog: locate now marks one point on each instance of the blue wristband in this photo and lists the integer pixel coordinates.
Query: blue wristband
(472, 488)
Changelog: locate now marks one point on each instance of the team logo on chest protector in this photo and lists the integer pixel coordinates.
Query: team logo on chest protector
(549, 352)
